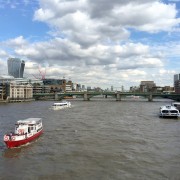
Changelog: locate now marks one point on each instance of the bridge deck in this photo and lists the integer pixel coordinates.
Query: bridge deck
(88, 95)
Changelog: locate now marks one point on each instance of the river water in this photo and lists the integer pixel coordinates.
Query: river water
(100, 139)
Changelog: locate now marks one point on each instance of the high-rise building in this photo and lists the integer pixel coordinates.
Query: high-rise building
(177, 83)
(176, 77)
(16, 67)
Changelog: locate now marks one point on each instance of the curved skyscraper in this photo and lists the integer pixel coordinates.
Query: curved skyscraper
(16, 67)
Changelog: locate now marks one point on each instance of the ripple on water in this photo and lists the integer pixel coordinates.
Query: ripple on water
(93, 140)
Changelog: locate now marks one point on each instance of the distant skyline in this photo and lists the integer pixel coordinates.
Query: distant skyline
(98, 43)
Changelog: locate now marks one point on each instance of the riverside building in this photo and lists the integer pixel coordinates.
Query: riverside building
(147, 86)
(18, 89)
(58, 85)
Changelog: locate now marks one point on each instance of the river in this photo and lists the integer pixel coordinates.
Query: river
(100, 139)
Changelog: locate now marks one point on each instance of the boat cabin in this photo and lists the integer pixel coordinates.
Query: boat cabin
(176, 104)
(61, 105)
(28, 126)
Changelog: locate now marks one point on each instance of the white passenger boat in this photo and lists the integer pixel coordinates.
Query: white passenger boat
(169, 111)
(25, 131)
(61, 105)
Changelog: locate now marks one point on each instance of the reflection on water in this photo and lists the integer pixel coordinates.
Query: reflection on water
(99, 139)
(12, 153)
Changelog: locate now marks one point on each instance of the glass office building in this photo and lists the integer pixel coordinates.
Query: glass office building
(16, 67)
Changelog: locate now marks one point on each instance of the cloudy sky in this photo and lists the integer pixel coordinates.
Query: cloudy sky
(98, 43)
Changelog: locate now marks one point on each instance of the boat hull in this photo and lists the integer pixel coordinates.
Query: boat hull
(60, 107)
(13, 143)
(169, 116)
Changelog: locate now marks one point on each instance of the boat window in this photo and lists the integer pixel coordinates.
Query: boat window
(165, 111)
(173, 111)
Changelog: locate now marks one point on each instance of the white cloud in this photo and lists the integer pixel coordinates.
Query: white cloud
(3, 66)
(150, 17)
(3, 53)
(92, 41)
(164, 72)
(174, 0)
(17, 42)
(79, 15)
(63, 51)
(96, 64)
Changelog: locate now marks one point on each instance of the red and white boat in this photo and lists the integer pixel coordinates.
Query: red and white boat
(25, 131)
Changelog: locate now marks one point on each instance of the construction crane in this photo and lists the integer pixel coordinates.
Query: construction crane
(43, 74)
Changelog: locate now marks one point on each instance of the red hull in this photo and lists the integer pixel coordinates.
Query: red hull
(12, 144)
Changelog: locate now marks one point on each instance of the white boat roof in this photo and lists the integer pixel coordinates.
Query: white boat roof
(29, 121)
(65, 102)
(169, 107)
(178, 103)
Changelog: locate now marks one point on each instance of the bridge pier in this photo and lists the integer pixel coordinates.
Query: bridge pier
(118, 97)
(150, 97)
(56, 96)
(86, 98)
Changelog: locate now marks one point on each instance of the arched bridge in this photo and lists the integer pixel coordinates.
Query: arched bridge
(117, 95)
